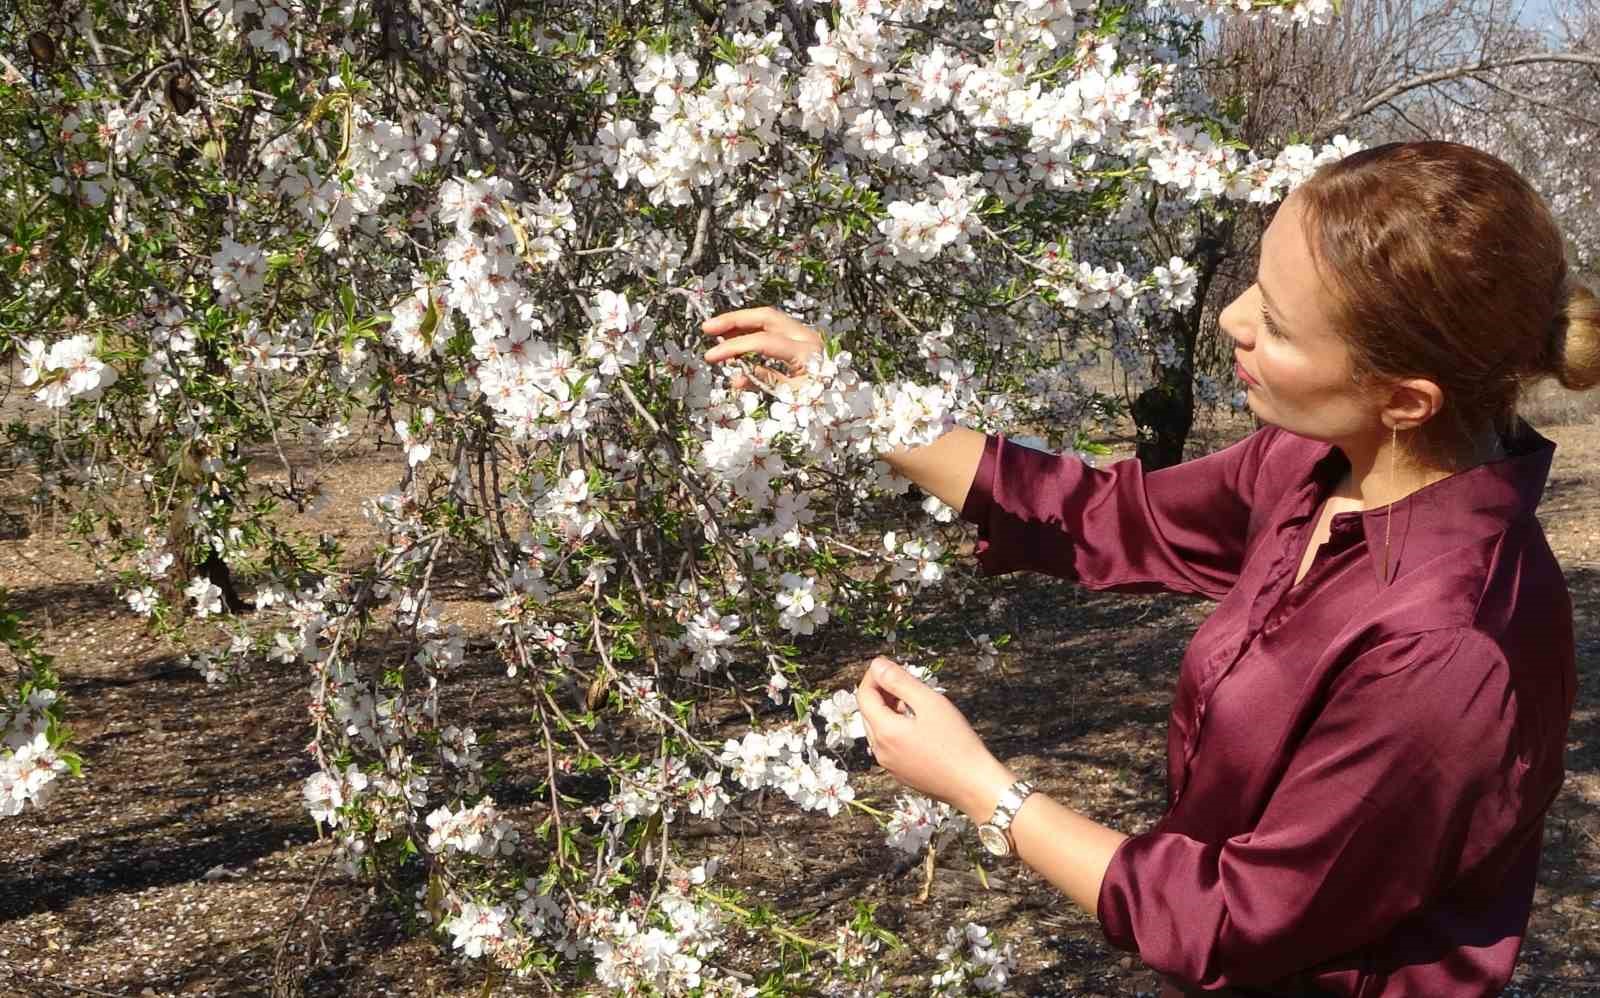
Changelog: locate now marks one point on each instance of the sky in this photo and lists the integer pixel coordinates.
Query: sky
(1536, 13)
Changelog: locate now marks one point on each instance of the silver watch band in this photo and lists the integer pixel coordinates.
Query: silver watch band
(1005, 809)
(994, 834)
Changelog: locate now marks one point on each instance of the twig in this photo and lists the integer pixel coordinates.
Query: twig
(971, 50)
(1011, 250)
(902, 316)
(775, 929)
(641, 703)
(280, 988)
(277, 445)
(549, 753)
(702, 227)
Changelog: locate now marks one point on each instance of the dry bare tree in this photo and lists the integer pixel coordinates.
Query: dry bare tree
(1383, 70)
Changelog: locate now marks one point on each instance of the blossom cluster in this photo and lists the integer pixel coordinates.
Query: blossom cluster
(824, 420)
(918, 231)
(1189, 162)
(1291, 11)
(326, 794)
(508, 930)
(786, 756)
(669, 956)
(29, 764)
(478, 830)
(972, 961)
(65, 370)
(662, 789)
(913, 560)
(916, 820)
(238, 271)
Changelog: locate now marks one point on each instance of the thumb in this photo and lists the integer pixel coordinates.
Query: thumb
(898, 682)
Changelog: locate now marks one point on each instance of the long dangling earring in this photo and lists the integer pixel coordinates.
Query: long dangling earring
(1388, 513)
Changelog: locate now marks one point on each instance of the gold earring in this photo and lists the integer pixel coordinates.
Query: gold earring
(1388, 513)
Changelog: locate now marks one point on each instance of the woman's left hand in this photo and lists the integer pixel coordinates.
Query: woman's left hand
(923, 741)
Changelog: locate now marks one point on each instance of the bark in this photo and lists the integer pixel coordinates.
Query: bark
(1163, 414)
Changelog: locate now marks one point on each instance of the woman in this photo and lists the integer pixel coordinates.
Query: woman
(1368, 730)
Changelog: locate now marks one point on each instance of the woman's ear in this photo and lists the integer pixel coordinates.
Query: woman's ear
(1412, 402)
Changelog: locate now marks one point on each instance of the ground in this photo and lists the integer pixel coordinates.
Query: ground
(183, 862)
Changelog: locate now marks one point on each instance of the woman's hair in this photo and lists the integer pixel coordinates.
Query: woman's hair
(1447, 265)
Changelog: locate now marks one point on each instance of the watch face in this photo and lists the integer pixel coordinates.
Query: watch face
(994, 840)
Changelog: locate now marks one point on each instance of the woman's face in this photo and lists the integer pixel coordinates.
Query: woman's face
(1296, 369)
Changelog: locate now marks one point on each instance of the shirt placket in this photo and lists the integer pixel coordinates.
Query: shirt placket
(1274, 605)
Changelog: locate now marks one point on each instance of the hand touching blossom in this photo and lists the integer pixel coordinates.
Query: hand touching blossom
(923, 741)
(766, 332)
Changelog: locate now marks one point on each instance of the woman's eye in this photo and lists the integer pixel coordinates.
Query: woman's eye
(1266, 318)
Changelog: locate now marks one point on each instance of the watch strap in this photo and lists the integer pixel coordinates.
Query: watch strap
(995, 834)
(1010, 802)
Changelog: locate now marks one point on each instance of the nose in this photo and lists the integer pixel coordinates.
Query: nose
(1234, 320)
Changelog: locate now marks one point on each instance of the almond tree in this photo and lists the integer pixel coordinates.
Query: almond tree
(487, 237)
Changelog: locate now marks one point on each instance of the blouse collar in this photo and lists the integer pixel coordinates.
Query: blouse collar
(1451, 513)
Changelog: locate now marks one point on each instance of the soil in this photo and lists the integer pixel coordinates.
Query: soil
(184, 863)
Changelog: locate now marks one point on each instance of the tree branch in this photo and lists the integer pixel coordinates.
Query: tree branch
(1456, 72)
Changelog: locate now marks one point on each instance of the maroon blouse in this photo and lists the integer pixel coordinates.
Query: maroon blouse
(1358, 767)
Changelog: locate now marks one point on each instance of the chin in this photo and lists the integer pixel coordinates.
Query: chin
(1267, 417)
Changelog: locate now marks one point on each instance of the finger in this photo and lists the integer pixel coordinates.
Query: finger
(745, 320)
(882, 700)
(767, 344)
(880, 709)
(870, 687)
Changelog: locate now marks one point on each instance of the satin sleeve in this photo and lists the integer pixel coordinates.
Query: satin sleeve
(1181, 529)
(1407, 780)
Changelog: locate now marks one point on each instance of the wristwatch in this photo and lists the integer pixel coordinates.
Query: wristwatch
(995, 834)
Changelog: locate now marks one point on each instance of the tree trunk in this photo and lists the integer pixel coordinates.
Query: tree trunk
(221, 576)
(1163, 414)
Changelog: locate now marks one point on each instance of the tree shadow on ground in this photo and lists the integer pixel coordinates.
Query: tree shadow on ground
(328, 952)
(133, 859)
(181, 756)
(61, 604)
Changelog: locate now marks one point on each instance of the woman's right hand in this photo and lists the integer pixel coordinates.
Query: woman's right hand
(945, 467)
(765, 332)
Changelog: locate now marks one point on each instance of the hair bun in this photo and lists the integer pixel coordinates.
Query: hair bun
(1575, 341)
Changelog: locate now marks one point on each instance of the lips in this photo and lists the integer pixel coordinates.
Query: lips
(1243, 375)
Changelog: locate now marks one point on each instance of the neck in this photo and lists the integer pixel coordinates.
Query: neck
(1382, 472)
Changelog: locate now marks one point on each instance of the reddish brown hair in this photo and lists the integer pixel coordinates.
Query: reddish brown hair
(1446, 264)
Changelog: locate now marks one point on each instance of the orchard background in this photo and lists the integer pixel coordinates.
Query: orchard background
(396, 602)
